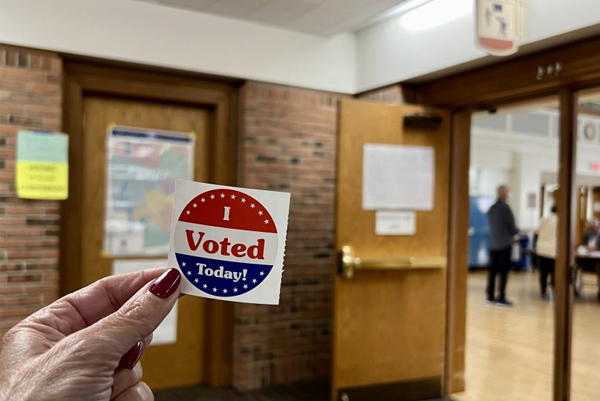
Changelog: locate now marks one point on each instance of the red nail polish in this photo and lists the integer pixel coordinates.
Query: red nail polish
(132, 356)
(166, 284)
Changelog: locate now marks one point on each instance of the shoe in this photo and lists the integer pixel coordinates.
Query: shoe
(503, 303)
(490, 302)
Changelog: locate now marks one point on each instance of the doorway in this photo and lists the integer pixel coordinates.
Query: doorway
(132, 133)
(586, 247)
(509, 346)
(527, 77)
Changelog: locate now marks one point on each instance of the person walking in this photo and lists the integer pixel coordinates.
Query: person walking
(546, 249)
(502, 231)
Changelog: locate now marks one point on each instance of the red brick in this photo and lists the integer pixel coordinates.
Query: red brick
(31, 97)
(22, 299)
(288, 138)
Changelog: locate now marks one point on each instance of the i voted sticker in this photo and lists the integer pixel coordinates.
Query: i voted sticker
(229, 242)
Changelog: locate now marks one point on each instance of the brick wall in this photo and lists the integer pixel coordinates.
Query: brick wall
(388, 94)
(288, 144)
(30, 98)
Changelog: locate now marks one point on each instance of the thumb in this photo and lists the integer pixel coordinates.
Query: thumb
(138, 317)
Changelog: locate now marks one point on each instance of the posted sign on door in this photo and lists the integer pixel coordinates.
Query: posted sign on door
(228, 242)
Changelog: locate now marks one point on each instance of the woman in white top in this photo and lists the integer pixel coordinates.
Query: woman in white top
(546, 248)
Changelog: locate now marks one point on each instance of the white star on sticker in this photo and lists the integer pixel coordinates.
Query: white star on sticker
(235, 290)
(214, 289)
(183, 264)
(253, 281)
(232, 196)
(262, 273)
(196, 280)
(222, 195)
(189, 273)
(202, 200)
(224, 290)
(195, 205)
(245, 285)
(188, 212)
(212, 197)
(243, 200)
(205, 286)
(260, 212)
(252, 206)
(267, 221)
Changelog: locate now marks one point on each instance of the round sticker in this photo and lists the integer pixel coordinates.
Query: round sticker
(225, 242)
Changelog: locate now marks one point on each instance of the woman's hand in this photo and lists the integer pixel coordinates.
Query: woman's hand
(86, 346)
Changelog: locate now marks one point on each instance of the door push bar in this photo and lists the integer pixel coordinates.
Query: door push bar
(349, 263)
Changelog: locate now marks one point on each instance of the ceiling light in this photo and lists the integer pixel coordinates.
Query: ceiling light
(435, 13)
(403, 7)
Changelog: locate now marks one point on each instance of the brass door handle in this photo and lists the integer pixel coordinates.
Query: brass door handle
(349, 263)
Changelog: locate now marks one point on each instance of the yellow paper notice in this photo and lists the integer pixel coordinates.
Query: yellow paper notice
(42, 180)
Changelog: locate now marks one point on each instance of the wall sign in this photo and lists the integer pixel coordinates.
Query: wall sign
(499, 26)
(142, 166)
(42, 166)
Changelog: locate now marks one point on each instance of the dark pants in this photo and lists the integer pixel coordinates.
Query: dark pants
(546, 269)
(499, 264)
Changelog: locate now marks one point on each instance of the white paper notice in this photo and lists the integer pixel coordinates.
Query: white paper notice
(228, 242)
(398, 177)
(166, 333)
(395, 222)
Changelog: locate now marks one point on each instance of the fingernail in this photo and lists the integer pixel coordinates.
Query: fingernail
(166, 284)
(132, 356)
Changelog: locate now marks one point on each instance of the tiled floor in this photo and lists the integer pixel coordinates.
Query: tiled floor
(293, 392)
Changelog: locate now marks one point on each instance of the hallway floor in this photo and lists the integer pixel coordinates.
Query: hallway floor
(509, 351)
(311, 391)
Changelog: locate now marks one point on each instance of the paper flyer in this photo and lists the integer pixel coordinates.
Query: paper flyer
(229, 243)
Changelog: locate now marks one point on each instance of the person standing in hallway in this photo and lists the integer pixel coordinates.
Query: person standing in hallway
(502, 231)
(546, 249)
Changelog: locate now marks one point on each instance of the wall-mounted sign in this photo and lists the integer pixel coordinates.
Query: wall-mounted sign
(142, 167)
(42, 166)
(499, 25)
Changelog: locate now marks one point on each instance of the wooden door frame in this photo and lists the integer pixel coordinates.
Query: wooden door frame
(515, 80)
(219, 97)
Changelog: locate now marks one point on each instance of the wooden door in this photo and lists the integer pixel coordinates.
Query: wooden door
(389, 321)
(185, 358)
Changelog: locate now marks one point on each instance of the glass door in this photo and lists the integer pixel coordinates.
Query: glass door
(585, 362)
(512, 237)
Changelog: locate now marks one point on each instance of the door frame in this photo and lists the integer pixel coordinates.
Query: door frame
(515, 80)
(143, 83)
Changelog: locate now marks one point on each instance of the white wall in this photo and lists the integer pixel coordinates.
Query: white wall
(382, 54)
(389, 52)
(162, 36)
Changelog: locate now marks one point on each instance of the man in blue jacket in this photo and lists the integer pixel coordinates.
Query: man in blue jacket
(502, 232)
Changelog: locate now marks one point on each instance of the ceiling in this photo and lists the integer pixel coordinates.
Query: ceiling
(316, 17)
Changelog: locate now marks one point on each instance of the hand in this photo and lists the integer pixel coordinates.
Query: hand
(86, 346)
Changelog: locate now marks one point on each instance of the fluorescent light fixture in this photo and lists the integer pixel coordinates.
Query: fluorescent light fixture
(435, 13)
(403, 7)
